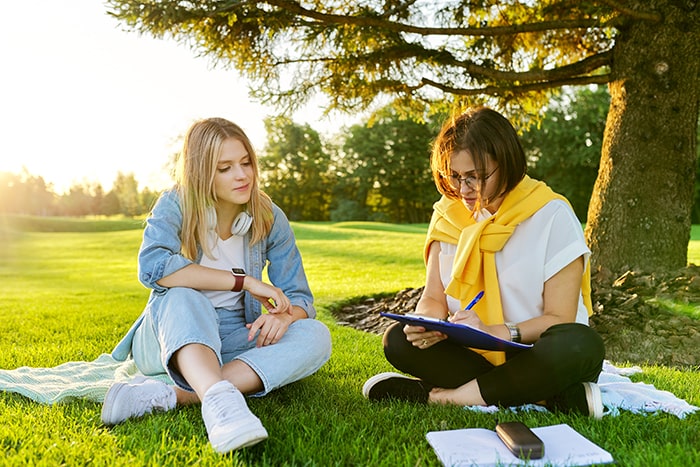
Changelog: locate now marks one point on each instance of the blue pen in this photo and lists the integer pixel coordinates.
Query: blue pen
(474, 301)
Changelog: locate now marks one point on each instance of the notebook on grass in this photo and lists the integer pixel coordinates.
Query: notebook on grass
(465, 335)
(480, 447)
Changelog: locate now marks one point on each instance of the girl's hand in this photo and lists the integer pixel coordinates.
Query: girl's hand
(271, 326)
(419, 337)
(271, 297)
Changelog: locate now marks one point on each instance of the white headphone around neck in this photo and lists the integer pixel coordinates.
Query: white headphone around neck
(241, 224)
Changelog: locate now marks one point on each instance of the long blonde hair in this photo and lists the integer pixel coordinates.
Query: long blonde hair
(195, 171)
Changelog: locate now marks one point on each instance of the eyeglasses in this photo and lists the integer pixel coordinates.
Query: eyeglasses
(471, 181)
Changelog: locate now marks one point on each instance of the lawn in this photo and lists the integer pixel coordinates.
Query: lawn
(70, 295)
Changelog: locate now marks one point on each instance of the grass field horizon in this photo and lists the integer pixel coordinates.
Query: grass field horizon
(70, 295)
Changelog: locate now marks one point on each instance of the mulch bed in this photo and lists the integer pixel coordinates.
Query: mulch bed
(628, 313)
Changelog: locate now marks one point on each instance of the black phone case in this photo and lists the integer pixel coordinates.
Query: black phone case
(520, 440)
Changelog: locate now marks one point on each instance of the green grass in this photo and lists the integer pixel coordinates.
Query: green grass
(694, 245)
(69, 224)
(67, 295)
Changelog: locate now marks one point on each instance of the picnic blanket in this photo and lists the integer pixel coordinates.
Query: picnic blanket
(72, 380)
(619, 392)
(91, 380)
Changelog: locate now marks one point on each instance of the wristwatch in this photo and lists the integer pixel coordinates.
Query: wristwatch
(514, 332)
(239, 275)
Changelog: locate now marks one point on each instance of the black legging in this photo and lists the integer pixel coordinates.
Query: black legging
(565, 355)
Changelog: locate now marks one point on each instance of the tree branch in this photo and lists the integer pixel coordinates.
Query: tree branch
(581, 67)
(643, 15)
(327, 18)
(444, 58)
(500, 90)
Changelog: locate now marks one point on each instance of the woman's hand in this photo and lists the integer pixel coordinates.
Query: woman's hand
(419, 337)
(271, 297)
(432, 303)
(271, 326)
(470, 318)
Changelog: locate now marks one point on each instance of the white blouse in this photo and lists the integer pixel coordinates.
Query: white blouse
(539, 247)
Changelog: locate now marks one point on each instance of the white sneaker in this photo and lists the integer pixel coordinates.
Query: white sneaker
(584, 398)
(230, 423)
(391, 385)
(594, 398)
(136, 398)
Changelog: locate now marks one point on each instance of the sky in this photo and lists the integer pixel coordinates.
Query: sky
(81, 99)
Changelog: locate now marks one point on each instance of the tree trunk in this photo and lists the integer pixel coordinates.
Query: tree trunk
(639, 215)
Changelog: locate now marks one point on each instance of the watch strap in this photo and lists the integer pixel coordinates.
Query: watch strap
(239, 280)
(514, 330)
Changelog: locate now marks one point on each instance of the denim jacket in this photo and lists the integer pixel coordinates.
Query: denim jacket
(160, 256)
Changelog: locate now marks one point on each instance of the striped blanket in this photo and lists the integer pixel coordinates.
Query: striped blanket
(72, 380)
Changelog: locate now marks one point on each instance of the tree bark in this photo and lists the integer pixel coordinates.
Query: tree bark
(639, 215)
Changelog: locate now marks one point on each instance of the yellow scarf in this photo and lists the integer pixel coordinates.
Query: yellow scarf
(474, 266)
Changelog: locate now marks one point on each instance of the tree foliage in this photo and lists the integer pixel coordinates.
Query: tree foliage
(420, 52)
(28, 194)
(378, 169)
(25, 194)
(126, 189)
(426, 57)
(296, 170)
(564, 149)
(386, 167)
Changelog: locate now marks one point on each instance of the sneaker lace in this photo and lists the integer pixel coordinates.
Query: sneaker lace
(152, 400)
(226, 407)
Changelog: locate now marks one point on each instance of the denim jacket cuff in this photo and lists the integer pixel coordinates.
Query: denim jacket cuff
(174, 263)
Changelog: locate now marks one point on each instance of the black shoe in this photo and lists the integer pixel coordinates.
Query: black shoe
(395, 386)
(583, 398)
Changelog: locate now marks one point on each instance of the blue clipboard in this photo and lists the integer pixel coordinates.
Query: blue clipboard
(463, 334)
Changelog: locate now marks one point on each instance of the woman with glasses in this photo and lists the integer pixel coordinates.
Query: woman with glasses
(498, 231)
(203, 331)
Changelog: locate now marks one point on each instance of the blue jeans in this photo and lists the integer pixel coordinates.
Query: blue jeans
(184, 316)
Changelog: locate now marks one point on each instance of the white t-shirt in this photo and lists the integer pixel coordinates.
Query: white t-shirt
(539, 247)
(228, 254)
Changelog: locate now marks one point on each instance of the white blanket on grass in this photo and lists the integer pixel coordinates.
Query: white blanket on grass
(72, 380)
(91, 380)
(620, 393)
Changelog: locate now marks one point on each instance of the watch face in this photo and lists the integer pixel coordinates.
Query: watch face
(238, 271)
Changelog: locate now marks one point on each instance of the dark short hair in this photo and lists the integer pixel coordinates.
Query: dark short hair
(483, 133)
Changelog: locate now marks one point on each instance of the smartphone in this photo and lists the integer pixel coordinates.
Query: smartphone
(520, 440)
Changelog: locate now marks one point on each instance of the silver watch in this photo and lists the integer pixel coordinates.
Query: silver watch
(514, 330)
